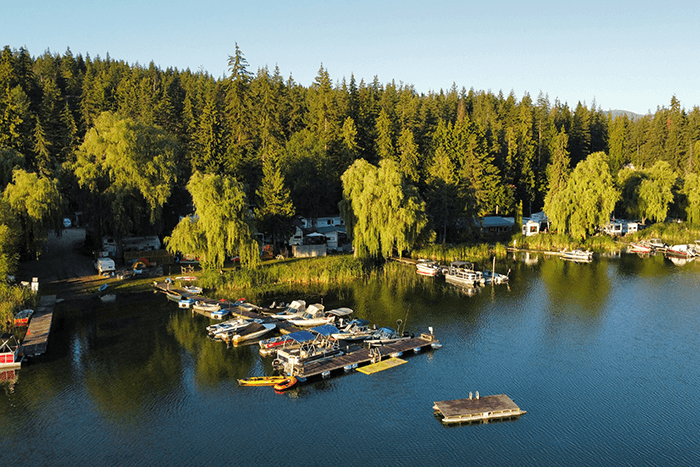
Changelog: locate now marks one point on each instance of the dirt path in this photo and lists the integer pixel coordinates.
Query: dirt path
(63, 269)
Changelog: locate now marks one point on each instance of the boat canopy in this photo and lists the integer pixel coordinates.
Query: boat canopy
(299, 336)
(340, 311)
(325, 330)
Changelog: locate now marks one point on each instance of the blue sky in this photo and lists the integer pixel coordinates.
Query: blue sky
(630, 55)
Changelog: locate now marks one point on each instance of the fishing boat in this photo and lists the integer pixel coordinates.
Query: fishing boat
(428, 268)
(173, 296)
(250, 333)
(463, 273)
(230, 327)
(285, 384)
(681, 251)
(262, 380)
(577, 255)
(384, 336)
(639, 247)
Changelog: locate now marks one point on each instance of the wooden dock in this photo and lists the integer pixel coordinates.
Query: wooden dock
(37, 338)
(363, 356)
(477, 409)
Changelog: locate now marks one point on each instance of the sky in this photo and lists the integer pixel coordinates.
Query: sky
(625, 55)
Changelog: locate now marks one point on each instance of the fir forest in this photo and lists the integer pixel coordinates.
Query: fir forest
(135, 148)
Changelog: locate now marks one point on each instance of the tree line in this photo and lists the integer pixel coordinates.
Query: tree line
(135, 147)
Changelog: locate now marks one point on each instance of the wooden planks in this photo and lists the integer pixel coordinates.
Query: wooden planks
(37, 338)
(477, 409)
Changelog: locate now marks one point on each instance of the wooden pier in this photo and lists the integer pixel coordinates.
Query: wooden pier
(477, 409)
(37, 338)
(363, 356)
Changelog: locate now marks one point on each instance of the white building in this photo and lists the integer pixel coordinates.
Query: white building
(535, 224)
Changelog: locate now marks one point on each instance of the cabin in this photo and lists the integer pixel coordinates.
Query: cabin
(535, 224)
(620, 227)
(328, 231)
(495, 225)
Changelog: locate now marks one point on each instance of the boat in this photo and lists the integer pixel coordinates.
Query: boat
(262, 380)
(357, 329)
(22, 317)
(681, 251)
(312, 352)
(314, 315)
(463, 273)
(221, 313)
(428, 268)
(230, 327)
(577, 255)
(491, 277)
(205, 307)
(384, 336)
(173, 296)
(250, 333)
(285, 384)
(193, 289)
(185, 303)
(293, 310)
(10, 356)
(270, 346)
(639, 247)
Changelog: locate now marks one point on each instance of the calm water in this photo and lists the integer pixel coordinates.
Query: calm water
(603, 356)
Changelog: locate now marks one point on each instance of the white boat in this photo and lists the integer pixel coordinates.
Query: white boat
(293, 310)
(193, 289)
(357, 329)
(250, 333)
(428, 268)
(316, 316)
(682, 251)
(583, 256)
(491, 277)
(231, 327)
(206, 307)
(384, 336)
(463, 273)
(10, 357)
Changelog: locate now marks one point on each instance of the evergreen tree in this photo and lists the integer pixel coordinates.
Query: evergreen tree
(275, 210)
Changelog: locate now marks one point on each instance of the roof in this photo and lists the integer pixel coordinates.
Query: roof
(497, 221)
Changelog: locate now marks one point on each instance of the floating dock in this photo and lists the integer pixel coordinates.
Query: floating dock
(477, 409)
(37, 338)
(352, 360)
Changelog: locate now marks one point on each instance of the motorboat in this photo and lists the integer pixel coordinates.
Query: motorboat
(193, 289)
(492, 277)
(293, 310)
(221, 330)
(357, 329)
(173, 296)
(315, 315)
(681, 251)
(10, 356)
(250, 333)
(639, 247)
(463, 273)
(428, 268)
(384, 336)
(577, 255)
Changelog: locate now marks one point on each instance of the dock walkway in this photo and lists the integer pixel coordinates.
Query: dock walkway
(37, 338)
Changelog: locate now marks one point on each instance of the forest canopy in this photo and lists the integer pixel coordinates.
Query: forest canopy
(122, 141)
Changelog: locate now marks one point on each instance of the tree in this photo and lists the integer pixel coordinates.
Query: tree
(382, 211)
(691, 189)
(558, 171)
(220, 226)
(37, 203)
(129, 169)
(275, 209)
(588, 199)
(655, 192)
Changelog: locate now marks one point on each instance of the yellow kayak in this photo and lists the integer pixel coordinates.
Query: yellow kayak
(262, 380)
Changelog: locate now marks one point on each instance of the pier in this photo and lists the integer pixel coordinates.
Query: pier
(363, 356)
(477, 409)
(37, 338)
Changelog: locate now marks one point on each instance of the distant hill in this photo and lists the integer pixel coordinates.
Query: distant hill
(630, 115)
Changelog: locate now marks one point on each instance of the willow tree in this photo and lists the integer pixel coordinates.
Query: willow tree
(587, 200)
(129, 169)
(36, 202)
(382, 211)
(220, 226)
(655, 192)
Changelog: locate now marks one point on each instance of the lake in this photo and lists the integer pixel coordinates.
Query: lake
(603, 357)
